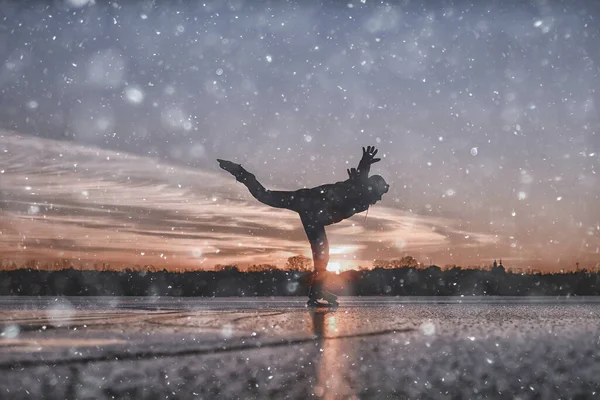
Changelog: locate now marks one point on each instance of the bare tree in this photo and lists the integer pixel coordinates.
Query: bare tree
(299, 263)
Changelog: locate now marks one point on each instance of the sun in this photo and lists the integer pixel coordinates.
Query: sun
(334, 267)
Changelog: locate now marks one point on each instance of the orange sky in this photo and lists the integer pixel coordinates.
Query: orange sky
(61, 200)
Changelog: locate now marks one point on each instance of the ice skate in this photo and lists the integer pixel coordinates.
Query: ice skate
(331, 298)
(317, 292)
(314, 303)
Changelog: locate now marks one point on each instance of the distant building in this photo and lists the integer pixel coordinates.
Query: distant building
(498, 268)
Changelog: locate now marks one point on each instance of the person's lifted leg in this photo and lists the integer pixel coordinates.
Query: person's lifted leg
(273, 198)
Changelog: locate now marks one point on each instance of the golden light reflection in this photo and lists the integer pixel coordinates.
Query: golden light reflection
(334, 380)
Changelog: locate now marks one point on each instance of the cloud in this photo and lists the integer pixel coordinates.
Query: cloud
(62, 200)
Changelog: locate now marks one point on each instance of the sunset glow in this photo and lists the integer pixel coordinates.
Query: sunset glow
(95, 206)
(334, 266)
(341, 249)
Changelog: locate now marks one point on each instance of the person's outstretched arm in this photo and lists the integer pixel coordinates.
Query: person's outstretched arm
(364, 166)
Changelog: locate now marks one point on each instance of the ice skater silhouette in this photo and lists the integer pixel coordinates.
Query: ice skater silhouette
(320, 206)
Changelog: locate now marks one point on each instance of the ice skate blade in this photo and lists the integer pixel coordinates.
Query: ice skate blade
(318, 304)
(329, 297)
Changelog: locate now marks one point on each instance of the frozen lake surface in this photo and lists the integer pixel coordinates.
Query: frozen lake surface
(409, 347)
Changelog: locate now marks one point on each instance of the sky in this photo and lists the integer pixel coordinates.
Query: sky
(113, 114)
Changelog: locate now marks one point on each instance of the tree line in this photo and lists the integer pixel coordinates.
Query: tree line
(230, 281)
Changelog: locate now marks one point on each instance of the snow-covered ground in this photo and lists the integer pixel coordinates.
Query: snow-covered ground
(276, 348)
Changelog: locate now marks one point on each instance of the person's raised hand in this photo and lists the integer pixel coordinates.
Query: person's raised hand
(353, 173)
(369, 155)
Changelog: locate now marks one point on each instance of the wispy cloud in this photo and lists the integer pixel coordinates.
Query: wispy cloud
(61, 200)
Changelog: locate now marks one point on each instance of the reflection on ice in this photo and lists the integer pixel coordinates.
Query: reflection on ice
(333, 356)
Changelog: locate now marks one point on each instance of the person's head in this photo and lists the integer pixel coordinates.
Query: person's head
(377, 187)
